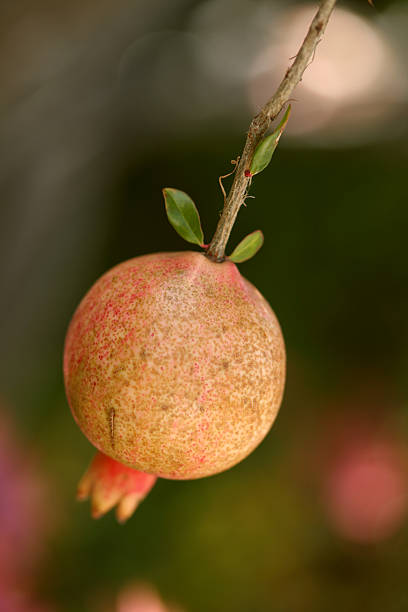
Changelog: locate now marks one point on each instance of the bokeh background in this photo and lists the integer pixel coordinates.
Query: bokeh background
(101, 105)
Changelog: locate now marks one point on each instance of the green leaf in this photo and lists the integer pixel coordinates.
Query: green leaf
(248, 247)
(183, 215)
(265, 149)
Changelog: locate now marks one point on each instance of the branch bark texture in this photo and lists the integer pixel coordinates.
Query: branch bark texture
(260, 125)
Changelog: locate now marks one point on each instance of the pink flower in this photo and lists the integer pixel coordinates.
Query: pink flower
(17, 601)
(23, 509)
(365, 490)
(142, 598)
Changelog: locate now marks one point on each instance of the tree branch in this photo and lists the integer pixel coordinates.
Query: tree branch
(259, 126)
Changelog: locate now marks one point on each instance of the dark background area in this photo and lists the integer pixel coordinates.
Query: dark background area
(104, 103)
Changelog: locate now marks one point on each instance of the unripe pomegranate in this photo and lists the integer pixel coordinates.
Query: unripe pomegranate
(174, 366)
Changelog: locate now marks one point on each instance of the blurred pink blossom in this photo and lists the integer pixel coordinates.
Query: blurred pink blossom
(365, 487)
(142, 598)
(24, 517)
(17, 601)
(361, 464)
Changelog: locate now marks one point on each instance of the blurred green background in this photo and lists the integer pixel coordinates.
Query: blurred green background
(104, 103)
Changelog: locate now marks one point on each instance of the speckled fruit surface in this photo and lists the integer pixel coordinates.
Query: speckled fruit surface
(174, 365)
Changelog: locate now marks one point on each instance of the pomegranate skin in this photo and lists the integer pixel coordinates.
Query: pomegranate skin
(174, 365)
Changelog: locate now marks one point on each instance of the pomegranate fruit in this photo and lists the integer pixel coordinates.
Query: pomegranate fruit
(174, 366)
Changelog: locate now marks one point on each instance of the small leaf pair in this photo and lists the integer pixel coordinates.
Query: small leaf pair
(184, 217)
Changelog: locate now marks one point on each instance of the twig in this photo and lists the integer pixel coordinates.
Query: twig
(259, 126)
(234, 162)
